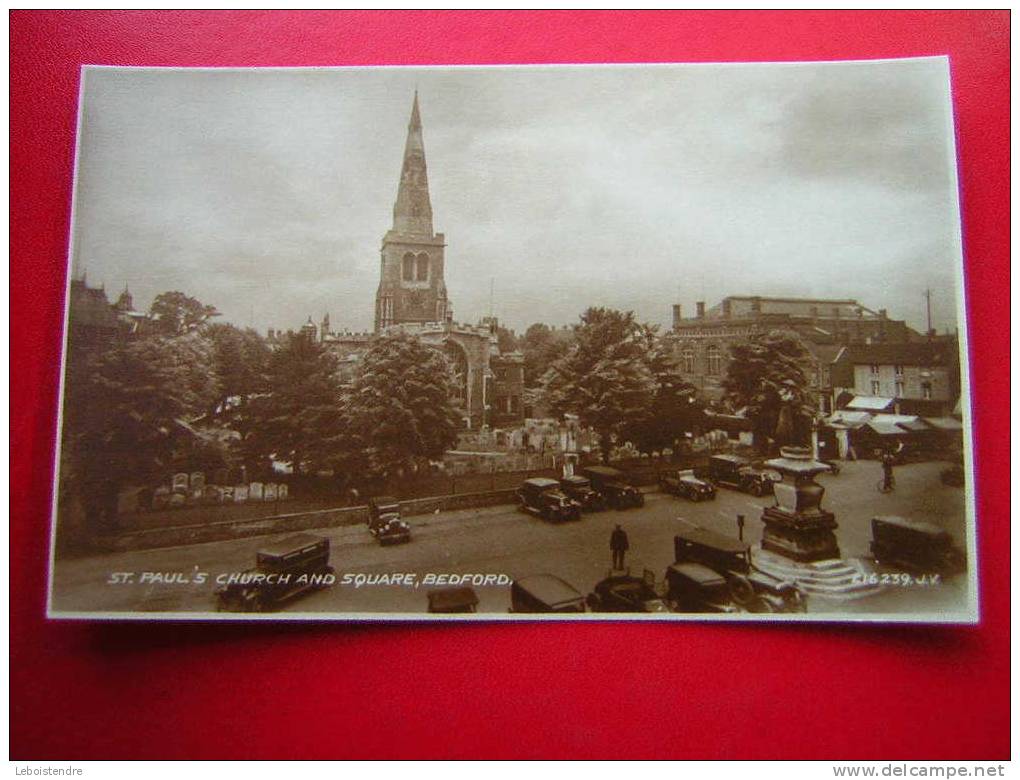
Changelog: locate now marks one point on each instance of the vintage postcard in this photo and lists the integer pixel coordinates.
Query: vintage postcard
(662, 342)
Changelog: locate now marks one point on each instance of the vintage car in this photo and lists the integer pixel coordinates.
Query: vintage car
(737, 472)
(622, 592)
(283, 569)
(612, 484)
(384, 521)
(544, 593)
(682, 482)
(453, 601)
(750, 588)
(915, 546)
(693, 587)
(954, 475)
(580, 490)
(544, 498)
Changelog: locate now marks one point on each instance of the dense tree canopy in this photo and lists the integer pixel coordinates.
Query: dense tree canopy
(128, 413)
(766, 377)
(675, 409)
(398, 413)
(603, 378)
(241, 362)
(298, 419)
(175, 313)
(541, 346)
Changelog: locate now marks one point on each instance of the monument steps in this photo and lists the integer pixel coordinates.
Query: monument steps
(833, 579)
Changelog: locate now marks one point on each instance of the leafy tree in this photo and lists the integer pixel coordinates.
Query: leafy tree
(176, 313)
(298, 419)
(128, 414)
(541, 346)
(507, 340)
(398, 413)
(241, 359)
(766, 376)
(675, 409)
(603, 378)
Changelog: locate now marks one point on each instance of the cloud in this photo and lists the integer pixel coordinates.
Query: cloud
(266, 193)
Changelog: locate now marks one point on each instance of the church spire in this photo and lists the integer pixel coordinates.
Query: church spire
(412, 212)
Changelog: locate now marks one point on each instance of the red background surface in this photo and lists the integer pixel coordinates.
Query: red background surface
(594, 690)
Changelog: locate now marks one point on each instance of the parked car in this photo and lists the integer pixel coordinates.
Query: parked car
(540, 593)
(750, 587)
(954, 475)
(626, 593)
(612, 483)
(737, 472)
(693, 587)
(453, 601)
(915, 546)
(385, 522)
(544, 498)
(283, 570)
(682, 482)
(580, 490)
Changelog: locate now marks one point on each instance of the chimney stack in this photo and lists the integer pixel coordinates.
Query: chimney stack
(676, 316)
(701, 309)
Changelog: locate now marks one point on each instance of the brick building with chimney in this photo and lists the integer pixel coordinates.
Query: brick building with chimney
(702, 343)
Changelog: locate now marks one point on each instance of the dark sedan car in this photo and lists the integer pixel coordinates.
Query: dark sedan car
(580, 490)
(283, 570)
(626, 593)
(693, 587)
(385, 522)
(544, 498)
(612, 483)
(736, 472)
(683, 482)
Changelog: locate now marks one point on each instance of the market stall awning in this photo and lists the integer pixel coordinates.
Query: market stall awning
(870, 403)
(886, 428)
(944, 423)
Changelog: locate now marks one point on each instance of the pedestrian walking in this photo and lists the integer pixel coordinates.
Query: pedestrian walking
(888, 461)
(619, 544)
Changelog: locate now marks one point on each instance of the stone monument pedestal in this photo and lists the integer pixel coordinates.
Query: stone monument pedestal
(797, 527)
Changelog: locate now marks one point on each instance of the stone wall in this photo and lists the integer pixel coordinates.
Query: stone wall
(288, 523)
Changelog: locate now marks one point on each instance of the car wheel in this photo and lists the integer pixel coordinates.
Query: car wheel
(741, 589)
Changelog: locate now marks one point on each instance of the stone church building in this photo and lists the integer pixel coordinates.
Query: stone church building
(412, 298)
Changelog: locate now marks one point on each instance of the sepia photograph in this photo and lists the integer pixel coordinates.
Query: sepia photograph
(577, 342)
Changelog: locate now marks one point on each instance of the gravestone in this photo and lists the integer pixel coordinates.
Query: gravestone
(255, 491)
(240, 494)
(269, 493)
(180, 483)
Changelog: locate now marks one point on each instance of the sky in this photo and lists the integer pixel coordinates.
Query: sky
(266, 193)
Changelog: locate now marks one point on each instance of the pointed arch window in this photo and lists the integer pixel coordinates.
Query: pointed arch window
(713, 357)
(423, 267)
(408, 272)
(687, 360)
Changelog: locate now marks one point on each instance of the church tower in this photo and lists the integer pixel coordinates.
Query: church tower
(411, 284)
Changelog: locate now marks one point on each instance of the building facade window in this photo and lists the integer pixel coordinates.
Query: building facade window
(714, 360)
(423, 267)
(687, 361)
(408, 270)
